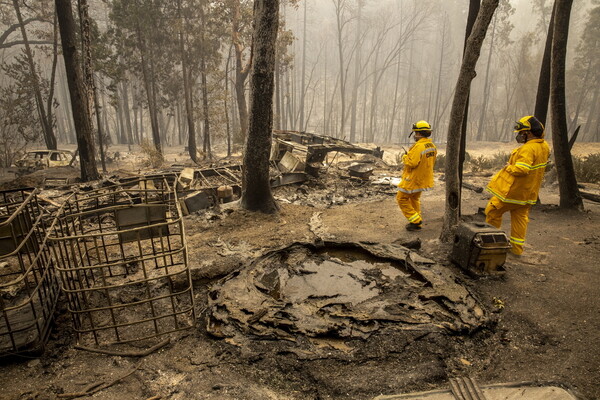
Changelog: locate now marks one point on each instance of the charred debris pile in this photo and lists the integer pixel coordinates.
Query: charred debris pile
(117, 249)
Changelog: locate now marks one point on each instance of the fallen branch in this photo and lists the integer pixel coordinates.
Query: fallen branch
(126, 353)
(474, 188)
(96, 387)
(590, 196)
(44, 199)
(574, 137)
(47, 200)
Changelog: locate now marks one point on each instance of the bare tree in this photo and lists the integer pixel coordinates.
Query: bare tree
(256, 187)
(543, 90)
(150, 84)
(45, 116)
(567, 183)
(77, 91)
(187, 91)
(88, 72)
(474, 7)
(241, 71)
(341, 23)
(463, 85)
(302, 122)
(357, 67)
(206, 147)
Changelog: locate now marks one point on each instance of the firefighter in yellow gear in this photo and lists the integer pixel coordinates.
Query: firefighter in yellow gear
(515, 187)
(417, 175)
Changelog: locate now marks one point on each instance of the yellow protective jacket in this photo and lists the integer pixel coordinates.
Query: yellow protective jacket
(520, 180)
(418, 167)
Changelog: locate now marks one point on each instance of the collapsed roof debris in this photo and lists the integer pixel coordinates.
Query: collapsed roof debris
(302, 151)
(204, 188)
(343, 290)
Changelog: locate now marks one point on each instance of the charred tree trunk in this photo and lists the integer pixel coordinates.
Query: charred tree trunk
(105, 120)
(340, 41)
(277, 117)
(77, 91)
(241, 73)
(50, 100)
(457, 116)
(357, 62)
(203, 79)
(474, 7)
(486, 86)
(567, 183)
(256, 187)
(88, 72)
(543, 90)
(45, 120)
(206, 147)
(592, 116)
(100, 131)
(127, 114)
(120, 126)
(436, 113)
(187, 92)
(227, 124)
(64, 96)
(301, 123)
(136, 107)
(149, 85)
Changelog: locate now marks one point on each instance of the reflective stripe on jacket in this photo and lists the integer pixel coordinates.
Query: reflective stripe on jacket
(520, 180)
(417, 175)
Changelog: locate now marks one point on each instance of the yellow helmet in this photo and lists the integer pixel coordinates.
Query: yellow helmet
(421, 126)
(529, 123)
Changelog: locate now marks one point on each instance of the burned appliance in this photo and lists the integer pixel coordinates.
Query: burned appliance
(480, 248)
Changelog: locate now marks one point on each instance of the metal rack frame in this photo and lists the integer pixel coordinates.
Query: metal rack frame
(29, 286)
(122, 257)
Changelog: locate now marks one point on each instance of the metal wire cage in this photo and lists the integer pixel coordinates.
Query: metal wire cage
(122, 257)
(29, 286)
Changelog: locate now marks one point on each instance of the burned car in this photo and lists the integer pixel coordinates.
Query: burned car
(41, 159)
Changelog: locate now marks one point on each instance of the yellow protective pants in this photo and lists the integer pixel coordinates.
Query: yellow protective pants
(519, 218)
(410, 205)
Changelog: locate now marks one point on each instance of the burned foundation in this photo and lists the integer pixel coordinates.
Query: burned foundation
(122, 259)
(29, 287)
(341, 290)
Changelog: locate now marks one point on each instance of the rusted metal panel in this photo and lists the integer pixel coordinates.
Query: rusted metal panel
(290, 163)
(154, 216)
(199, 200)
(288, 179)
